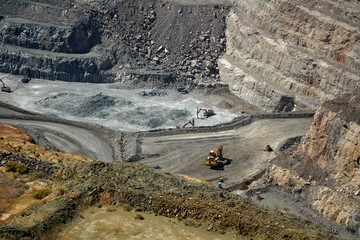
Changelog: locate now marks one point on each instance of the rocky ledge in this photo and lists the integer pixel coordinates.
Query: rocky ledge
(96, 41)
(324, 168)
(304, 51)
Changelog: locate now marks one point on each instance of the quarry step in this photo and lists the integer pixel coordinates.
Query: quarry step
(290, 50)
(303, 25)
(342, 10)
(43, 53)
(256, 89)
(53, 65)
(36, 10)
(47, 36)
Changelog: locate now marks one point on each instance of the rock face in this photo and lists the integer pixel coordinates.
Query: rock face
(48, 37)
(53, 51)
(188, 36)
(324, 169)
(304, 50)
(280, 55)
(53, 66)
(112, 40)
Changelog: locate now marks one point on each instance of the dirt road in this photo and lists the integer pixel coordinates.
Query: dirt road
(69, 138)
(8, 111)
(185, 154)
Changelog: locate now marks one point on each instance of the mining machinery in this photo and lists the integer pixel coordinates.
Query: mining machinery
(215, 158)
(5, 88)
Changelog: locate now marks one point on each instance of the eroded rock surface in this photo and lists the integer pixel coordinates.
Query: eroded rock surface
(324, 168)
(304, 50)
(280, 55)
(113, 40)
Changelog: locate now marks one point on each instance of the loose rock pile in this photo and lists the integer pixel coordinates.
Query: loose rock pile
(192, 43)
(113, 37)
(146, 189)
(33, 165)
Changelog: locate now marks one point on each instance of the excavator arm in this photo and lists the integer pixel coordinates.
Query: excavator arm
(5, 88)
(207, 113)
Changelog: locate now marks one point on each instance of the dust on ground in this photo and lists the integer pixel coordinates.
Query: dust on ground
(115, 223)
(243, 149)
(286, 201)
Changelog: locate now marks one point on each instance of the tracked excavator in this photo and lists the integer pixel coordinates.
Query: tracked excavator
(206, 113)
(25, 79)
(215, 159)
(5, 88)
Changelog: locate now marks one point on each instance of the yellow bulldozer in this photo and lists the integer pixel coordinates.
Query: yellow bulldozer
(215, 159)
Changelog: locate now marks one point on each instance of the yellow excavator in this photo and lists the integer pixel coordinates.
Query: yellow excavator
(215, 158)
(5, 88)
(206, 113)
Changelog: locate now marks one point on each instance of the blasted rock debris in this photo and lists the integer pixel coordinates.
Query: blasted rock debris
(83, 41)
(283, 56)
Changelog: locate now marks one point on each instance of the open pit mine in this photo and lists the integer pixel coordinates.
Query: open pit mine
(180, 119)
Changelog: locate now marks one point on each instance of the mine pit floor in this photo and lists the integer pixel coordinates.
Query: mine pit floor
(243, 149)
(119, 107)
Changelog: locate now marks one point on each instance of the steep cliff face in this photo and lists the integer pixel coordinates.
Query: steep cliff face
(44, 36)
(303, 50)
(325, 168)
(47, 41)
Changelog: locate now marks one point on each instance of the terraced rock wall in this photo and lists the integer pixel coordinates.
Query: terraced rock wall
(48, 37)
(305, 50)
(54, 66)
(57, 41)
(112, 41)
(280, 55)
(324, 169)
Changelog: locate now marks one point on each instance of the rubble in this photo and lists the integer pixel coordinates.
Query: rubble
(33, 165)
(170, 195)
